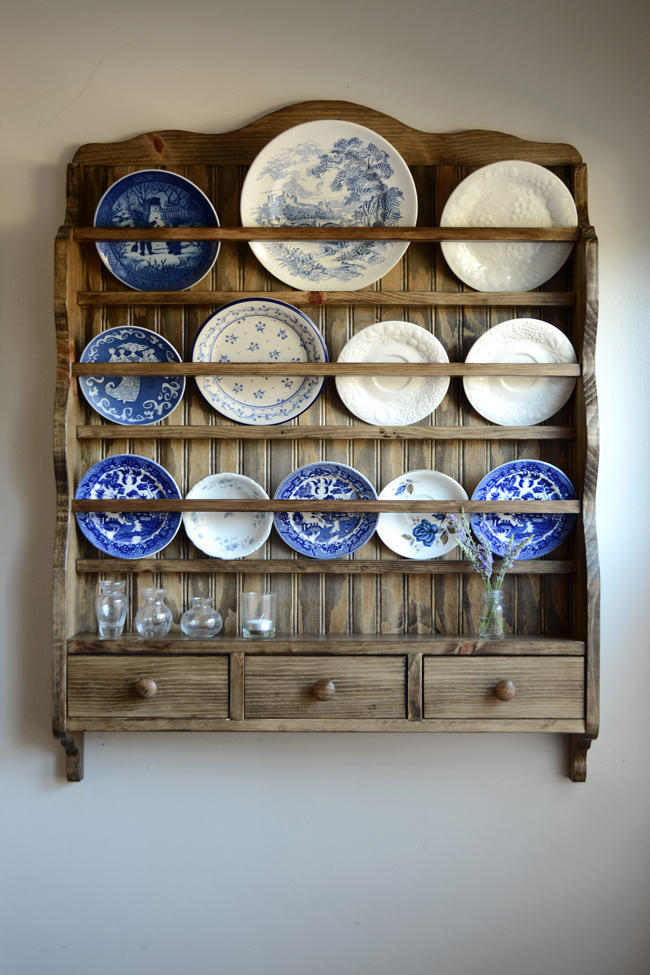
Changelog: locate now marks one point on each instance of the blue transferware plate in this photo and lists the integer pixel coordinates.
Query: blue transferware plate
(524, 480)
(132, 399)
(329, 173)
(156, 198)
(259, 330)
(325, 535)
(120, 534)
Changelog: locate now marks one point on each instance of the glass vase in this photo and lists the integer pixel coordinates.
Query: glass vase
(154, 618)
(201, 620)
(491, 625)
(110, 608)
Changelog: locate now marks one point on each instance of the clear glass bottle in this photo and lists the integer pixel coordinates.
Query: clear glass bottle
(110, 607)
(201, 620)
(491, 624)
(154, 618)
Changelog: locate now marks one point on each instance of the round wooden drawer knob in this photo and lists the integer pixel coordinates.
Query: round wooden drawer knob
(146, 688)
(505, 690)
(324, 690)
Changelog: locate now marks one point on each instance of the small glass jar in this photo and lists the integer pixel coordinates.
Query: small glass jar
(201, 620)
(154, 618)
(491, 625)
(110, 606)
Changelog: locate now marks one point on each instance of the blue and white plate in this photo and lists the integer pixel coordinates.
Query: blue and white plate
(259, 330)
(325, 535)
(228, 534)
(329, 173)
(120, 534)
(132, 399)
(156, 198)
(413, 535)
(524, 480)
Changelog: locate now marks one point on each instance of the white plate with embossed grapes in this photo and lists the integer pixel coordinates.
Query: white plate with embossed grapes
(415, 535)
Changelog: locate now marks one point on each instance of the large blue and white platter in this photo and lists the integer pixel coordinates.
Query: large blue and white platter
(524, 480)
(228, 534)
(132, 399)
(259, 330)
(328, 173)
(156, 198)
(326, 535)
(120, 534)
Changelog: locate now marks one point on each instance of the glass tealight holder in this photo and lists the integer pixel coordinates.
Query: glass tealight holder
(258, 612)
(154, 618)
(110, 606)
(201, 620)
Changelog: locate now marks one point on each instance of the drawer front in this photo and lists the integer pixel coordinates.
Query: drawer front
(290, 687)
(170, 687)
(487, 687)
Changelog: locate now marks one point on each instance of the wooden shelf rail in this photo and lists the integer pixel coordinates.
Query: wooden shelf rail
(93, 234)
(367, 506)
(566, 369)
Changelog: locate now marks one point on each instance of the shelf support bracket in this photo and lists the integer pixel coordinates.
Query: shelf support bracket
(579, 745)
(74, 757)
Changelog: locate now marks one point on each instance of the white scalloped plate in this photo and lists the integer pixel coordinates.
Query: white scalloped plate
(419, 536)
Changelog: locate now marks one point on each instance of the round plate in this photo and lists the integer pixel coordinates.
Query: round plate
(508, 194)
(514, 400)
(329, 173)
(123, 535)
(325, 535)
(259, 330)
(132, 399)
(228, 534)
(524, 480)
(417, 536)
(392, 400)
(156, 198)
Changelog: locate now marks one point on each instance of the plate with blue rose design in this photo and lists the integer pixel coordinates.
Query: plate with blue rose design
(414, 535)
(132, 399)
(524, 480)
(259, 330)
(228, 534)
(326, 535)
(329, 173)
(156, 198)
(120, 534)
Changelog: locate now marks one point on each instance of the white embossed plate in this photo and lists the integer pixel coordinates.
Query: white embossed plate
(393, 400)
(227, 534)
(512, 193)
(419, 536)
(328, 173)
(515, 400)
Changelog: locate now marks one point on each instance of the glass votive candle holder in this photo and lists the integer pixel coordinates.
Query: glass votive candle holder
(258, 612)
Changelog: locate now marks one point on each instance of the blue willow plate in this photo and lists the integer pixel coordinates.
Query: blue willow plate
(325, 535)
(329, 173)
(259, 330)
(524, 480)
(120, 534)
(156, 198)
(132, 399)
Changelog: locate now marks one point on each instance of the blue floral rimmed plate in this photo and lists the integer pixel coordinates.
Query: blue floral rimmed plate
(259, 330)
(132, 399)
(524, 480)
(417, 536)
(120, 534)
(228, 534)
(156, 198)
(325, 535)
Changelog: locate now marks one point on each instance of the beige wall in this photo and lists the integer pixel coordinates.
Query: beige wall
(326, 855)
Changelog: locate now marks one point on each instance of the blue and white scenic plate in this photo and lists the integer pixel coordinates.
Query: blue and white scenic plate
(120, 534)
(259, 330)
(156, 198)
(417, 536)
(132, 399)
(329, 173)
(228, 534)
(524, 480)
(325, 535)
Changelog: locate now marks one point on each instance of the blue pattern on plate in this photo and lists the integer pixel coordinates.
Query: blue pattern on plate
(325, 535)
(120, 534)
(131, 399)
(155, 198)
(524, 480)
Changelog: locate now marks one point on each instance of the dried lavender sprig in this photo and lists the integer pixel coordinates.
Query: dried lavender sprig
(510, 557)
(479, 553)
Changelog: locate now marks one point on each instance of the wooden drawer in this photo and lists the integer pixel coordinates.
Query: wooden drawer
(478, 687)
(288, 687)
(183, 687)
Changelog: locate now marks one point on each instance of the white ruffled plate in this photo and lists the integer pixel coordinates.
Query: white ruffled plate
(419, 536)
(228, 534)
